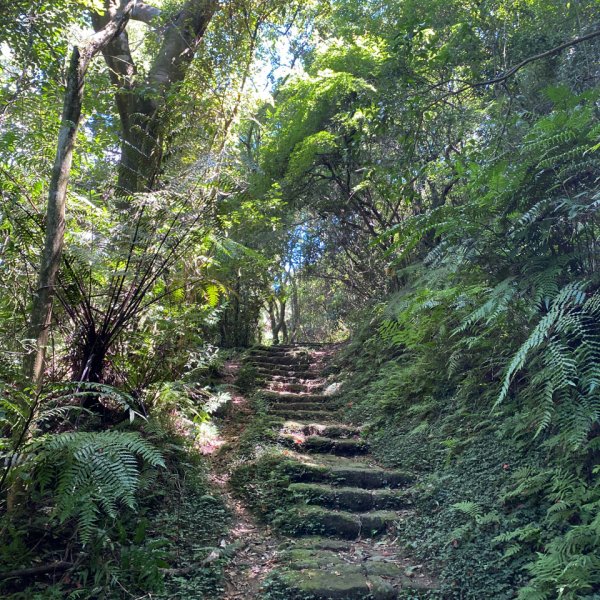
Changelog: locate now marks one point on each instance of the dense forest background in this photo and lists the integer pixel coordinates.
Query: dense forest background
(182, 180)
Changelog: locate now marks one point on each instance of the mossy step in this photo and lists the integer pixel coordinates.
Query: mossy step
(290, 378)
(333, 430)
(289, 381)
(278, 349)
(298, 388)
(316, 558)
(288, 371)
(316, 543)
(294, 388)
(305, 415)
(344, 472)
(300, 399)
(311, 520)
(282, 397)
(280, 360)
(339, 558)
(316, 443)
(299, 365)
(345, 582)
(349, 498)
(282, 369)
(299, 405)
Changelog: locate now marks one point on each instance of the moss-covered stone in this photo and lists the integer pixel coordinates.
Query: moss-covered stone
(331, 430)
(368, 477)
(391, 499)
(284, 397)
(312, 520)
(298, 405)
(304, 558)
(344, 472)
(346, 582)
(314, 443)
(336, 523)
(320, 543)
(375, 522)
(346, 498)
(292, 370)
(304, 415)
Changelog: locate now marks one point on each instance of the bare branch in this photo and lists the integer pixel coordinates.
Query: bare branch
(145, 13)
(546, 54)
(470, 85)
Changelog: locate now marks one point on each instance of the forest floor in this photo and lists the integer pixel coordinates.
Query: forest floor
(330, 531)
(254, 542)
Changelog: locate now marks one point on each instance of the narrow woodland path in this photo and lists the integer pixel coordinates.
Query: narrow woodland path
(338, 539)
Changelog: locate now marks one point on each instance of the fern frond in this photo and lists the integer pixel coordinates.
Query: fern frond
(97, 471)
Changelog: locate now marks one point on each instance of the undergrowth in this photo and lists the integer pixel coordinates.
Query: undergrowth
(121, 511)
(501, 512)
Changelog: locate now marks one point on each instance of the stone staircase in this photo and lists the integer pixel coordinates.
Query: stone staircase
(339, 530)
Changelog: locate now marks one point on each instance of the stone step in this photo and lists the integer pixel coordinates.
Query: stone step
(300, 400)
(295, 388)
(280, 361)
(270, 361)
(291, 382)
(325, 445)
(291, 372)
(316, 520)
(301, 405)
(275, 349)
(283, 397)
(306, 415)
(333, 430)
(298, 347)
(343, 472)
(350, 498)
(343, 583)
(325, 575)
(290, 378)
(293, 362)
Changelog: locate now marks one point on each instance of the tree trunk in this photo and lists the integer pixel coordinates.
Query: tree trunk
(142, 103)
(274, 319)
(282, 325)
(295, 320)
(41, 311)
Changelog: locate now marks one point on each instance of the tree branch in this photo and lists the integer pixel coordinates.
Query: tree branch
(551, 52)
(145, 13)
(60, 565)
(513, 70)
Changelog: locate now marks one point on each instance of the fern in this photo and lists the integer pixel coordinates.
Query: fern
(498, 302)
(472, 509)
(560, 318)
(96, 472)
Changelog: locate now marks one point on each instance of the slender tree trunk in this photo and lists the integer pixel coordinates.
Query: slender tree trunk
(282, 323)
(274, 319)
(41, 311)
(295, 321)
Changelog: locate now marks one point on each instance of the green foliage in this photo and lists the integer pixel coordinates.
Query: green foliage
(383, 184)
(247, 378)
(95, 472)
(262, 483)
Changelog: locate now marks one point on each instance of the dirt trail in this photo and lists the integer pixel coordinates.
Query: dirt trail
(253, 546)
